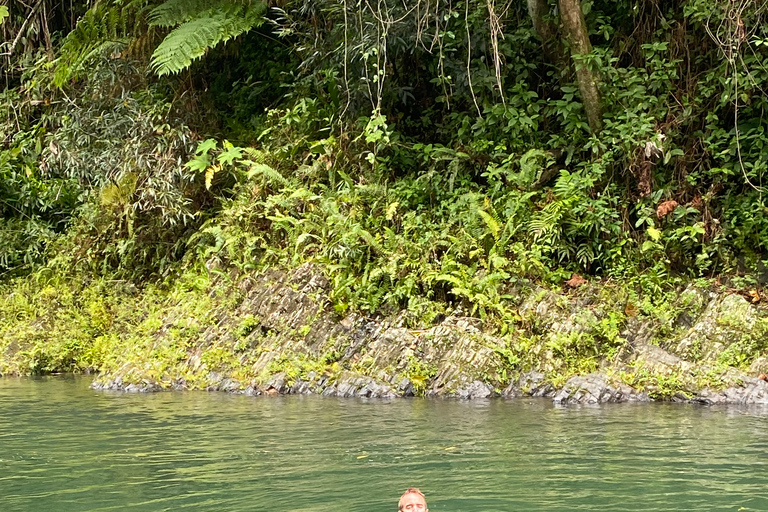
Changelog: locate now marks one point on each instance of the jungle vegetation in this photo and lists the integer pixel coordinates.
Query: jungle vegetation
(430, 155)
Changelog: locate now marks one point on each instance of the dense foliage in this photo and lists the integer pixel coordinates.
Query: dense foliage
(431, 154)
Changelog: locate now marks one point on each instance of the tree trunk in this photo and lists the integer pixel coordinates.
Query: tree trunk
(546, 30)
(575, 31)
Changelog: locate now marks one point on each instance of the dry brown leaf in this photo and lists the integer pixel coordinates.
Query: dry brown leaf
(666, 208)
(575, 281)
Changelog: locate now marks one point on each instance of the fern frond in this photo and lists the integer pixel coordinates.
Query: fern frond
(269, 174)
(510, 229)
(173, 12)
(190, 40)
(565, 186)
(490, 221)
(547, 222)
(104, 29)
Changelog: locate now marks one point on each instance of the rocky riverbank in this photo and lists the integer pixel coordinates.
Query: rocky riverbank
(585, 345)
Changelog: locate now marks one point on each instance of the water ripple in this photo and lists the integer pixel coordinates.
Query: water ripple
(64, 447)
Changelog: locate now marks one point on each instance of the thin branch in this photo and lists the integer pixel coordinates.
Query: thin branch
(494, 19)
(21, 30)
(346, 61)
(730, 36)
(469, 58)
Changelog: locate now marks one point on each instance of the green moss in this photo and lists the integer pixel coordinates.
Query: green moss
(419, 373)
(748, 346)
(189, 327)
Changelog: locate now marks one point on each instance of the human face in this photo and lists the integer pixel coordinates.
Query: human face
(413, 502)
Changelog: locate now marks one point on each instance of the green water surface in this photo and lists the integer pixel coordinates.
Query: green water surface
(64, 447)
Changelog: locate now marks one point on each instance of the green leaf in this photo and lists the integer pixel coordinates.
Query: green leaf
(105, 29)
(3, 13)
(231, 154)
(493, 224)
(201, 31)
(654, 233)
(303, 193)
(199, 163)
(171, 13)
(204, 147)
(265, 171)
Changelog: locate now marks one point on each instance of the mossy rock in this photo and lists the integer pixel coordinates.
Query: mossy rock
(729, 325)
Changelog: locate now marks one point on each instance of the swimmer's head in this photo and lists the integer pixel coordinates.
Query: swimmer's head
(412, 500)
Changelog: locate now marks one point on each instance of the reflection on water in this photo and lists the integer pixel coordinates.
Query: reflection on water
(64, 447)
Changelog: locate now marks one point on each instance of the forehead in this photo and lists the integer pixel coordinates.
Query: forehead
(412, 498)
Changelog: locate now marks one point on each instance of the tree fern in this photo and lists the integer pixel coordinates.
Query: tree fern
(106, 28)
(204, 24)
(173, 12)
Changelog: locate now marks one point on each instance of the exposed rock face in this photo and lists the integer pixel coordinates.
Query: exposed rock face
(723, 322)
(530, 384)
(372, 358)
(293, 342)
(653, 357)
(751, 391)
(475, 389)
(118, 385)
(352, 385)
(596, 389)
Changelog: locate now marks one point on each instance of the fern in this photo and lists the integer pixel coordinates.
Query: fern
(202, 27)
(492, 222)
(267, 173)
(546, 225)
(173, 12)
(104, 29)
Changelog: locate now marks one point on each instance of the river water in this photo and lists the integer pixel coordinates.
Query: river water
(64, 447)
